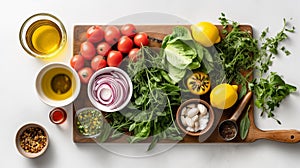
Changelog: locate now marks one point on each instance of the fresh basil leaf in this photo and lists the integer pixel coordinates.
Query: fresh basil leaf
(245, 125)
(243, 91)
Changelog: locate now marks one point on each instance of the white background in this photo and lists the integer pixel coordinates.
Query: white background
(20, 104)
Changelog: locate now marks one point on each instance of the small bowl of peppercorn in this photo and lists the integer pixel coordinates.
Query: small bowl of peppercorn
(32, 140)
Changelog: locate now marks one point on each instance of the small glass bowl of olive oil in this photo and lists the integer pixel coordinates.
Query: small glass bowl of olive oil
(43, 35)
(57, 84)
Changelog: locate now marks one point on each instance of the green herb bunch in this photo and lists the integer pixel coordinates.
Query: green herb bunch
(150, 113)
(240, 55)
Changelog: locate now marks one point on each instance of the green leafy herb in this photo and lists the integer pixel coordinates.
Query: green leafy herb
(269, 47)
(240, 55)
(270, 92)
(149, 114)
(245, 125)
(234, 53)
(154, 96)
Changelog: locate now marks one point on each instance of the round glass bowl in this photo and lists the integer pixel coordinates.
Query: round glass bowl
(43, 35)
(88, 122)
(57, 84)
(58, 115)
(110, 89)
(32, 140)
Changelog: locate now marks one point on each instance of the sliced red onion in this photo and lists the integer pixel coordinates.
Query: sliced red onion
(105, 93)
(110, 89)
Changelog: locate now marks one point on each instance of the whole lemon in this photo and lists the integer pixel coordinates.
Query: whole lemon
(205, 33)
(224, 96)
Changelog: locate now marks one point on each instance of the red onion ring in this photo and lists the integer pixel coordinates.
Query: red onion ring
(113, 83)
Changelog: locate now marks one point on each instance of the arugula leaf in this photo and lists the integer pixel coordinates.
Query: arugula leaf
(149, 114)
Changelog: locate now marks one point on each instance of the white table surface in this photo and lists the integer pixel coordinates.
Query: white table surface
(20, 104)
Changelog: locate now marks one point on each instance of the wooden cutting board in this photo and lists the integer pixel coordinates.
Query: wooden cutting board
(156, 34)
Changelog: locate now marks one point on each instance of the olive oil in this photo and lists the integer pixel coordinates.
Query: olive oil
(61, 83)
(43, 37)
(58, 84)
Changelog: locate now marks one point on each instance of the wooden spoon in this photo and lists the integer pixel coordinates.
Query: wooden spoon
(231, 123)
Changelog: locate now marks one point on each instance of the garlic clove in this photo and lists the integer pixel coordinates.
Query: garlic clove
(184, 111)
(202, 109)
(203, 123)
(183, 121)
(189, 122)
(197, 126)
(206, 116)
(191, 105)
(192, 112)
(195, 118)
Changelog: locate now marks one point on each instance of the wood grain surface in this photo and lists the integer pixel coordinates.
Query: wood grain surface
(158, 32)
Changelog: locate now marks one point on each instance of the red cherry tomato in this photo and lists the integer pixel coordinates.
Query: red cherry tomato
(114, 58)
(85, 74)
(77, 62)
(133, 54)
(125, 44)
(95, 34)
(141, 39)
(128, 30)
(103, 48)
(98, 62)
(112, 34)
(87, 50)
